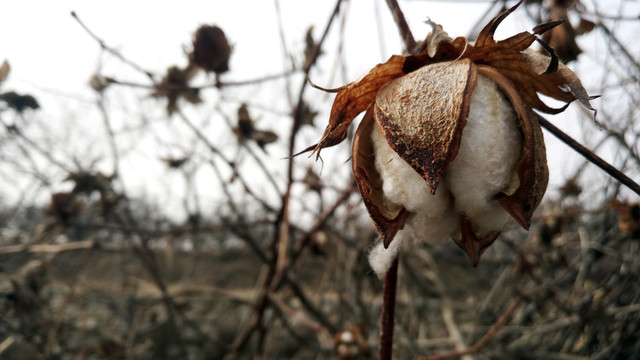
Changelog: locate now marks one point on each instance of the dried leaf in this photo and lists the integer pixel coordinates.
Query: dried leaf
(307, 114)
(584, 26)
(174, 85)
(246, 129)
(423, 113)
(485, 37)
(563, 78)
(4, 71)
(562, 38)
(354, 98)
(511, 58)
(264, 137)
(88, 182)
(437, 36)
(387, 217)
(65, 206)
(18, 102)
(628, 217)
(445, 50)
(312, 180)
(245, 123)
(175, 163)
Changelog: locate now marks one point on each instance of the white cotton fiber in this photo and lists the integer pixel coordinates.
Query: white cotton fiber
(432, 217)
(402, 184)
(380, 258)
(489, 151)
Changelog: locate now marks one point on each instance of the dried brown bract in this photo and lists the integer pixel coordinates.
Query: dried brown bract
(563, 38)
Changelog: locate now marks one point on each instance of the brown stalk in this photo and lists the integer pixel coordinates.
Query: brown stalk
(589, 155)
(385, 351)
(388, 310)
(278, 262)
(403, 27)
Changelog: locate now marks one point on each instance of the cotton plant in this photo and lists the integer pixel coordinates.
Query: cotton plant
(450, 145)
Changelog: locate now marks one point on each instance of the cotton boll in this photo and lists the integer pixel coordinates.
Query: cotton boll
(486, 161)
(484, 166)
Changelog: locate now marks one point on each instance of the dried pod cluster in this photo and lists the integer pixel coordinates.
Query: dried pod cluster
(449, 144)
(211, 53)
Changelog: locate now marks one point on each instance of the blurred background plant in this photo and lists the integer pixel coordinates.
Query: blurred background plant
(164, 217)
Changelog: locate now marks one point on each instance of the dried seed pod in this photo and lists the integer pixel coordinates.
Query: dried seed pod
(211, 50)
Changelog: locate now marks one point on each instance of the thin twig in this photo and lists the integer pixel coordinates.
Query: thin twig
(484, 340)
(403, 27)
(220, 84)
(589, 155)
(114, 52)
(280, 237)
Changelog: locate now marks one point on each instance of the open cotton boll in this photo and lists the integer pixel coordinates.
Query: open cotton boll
(484, 166)
(489, 152)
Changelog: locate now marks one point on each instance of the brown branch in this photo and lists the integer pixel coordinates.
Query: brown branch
(54, 332)
(114, 52)
(589, 155)
(280, 236)
(178, 87)
(321, 221)
(403, 27)
(483, 341)
(388, 309)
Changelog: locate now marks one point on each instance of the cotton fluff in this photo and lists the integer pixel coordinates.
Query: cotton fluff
(485, 165)
(380, 258)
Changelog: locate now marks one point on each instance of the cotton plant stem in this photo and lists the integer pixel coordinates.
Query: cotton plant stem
(589, 155)
(388, 309)
(403, 27)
